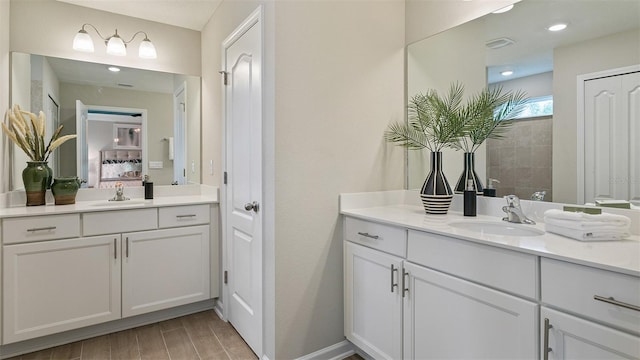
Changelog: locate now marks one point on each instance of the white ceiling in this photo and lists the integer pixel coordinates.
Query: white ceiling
(190, 14)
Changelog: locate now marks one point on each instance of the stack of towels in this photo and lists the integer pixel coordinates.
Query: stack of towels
(587, 227)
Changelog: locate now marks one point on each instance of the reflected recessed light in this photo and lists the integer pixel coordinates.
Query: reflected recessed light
(113, 69)
(557, 27)
(506, 73)
(504, 9)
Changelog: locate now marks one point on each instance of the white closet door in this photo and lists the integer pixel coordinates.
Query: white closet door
(611, 108)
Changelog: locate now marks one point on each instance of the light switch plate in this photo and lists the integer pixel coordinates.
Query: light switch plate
(155, 165)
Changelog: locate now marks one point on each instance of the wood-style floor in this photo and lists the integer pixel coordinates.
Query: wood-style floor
(198, 336)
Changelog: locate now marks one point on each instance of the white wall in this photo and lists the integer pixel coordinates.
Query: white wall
(47, 27)
(569, 62)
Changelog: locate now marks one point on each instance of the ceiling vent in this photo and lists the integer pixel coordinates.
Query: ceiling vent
(499, 43)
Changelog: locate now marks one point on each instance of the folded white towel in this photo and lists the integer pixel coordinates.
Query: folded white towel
(611, 219)
(588, 225)
(586, 235)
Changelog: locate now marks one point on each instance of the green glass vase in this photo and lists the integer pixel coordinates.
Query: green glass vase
(34, 178)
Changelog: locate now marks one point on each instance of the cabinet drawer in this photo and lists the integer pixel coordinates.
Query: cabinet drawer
(495, 267)
(39, 228)
(377, 236)
(572, 287)
(183, 216)
(114, 222)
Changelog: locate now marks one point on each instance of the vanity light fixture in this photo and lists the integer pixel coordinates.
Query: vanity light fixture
(504, 9)
(506, 73)
(115, 44)
(557, 27)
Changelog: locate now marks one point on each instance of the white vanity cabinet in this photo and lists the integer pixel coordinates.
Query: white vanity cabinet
(63, 272)
(588, 312)
(164, 268)
(53, 286)
(456, 306)
(373, 291)
(417, 295)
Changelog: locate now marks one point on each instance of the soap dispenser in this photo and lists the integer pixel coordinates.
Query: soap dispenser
(490, 190)
(470, 199)
(148, 188)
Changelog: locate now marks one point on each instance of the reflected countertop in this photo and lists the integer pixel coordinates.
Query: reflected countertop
(622, 256)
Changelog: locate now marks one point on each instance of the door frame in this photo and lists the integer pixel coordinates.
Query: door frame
(581, 80)
(256, 18)
(180, 142)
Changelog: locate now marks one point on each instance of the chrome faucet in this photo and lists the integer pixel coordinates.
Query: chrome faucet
(119, 193)
(514, 211)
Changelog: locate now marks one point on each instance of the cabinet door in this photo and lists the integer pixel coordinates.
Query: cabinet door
(60, 285)
(570, 337)
(449, 318)
(164, 268)
(373, 301)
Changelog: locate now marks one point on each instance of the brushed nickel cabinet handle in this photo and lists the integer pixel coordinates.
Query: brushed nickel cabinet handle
(375, 237)
(127, 249)
(393, 270)
(115, 249)
(42, 229)
(611, 300)
(185, 216)
(545, 347)
(405, 284)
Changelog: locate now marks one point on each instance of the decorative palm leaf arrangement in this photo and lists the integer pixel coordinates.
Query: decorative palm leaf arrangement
(27, 131)
(436, 122)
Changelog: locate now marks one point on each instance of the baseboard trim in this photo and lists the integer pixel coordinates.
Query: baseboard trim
(337, 351)
(218, 308)
(45, 342)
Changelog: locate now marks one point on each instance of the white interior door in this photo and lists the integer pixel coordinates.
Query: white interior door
(82, 148)
(179, 136)
(243, 192)
(611, 129)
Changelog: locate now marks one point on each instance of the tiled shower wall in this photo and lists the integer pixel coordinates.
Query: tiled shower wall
(521, 160)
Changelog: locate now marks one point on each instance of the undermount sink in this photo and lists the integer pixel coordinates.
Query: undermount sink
(497, 228)
(119, 203)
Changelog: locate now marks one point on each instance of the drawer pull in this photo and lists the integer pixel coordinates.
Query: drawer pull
(393, 270)
(545, 347)
(185, 216)
(611, 300)
(42, 229)
(375, 237)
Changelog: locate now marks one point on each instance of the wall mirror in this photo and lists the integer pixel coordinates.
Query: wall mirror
(540, 153)
(155, 115)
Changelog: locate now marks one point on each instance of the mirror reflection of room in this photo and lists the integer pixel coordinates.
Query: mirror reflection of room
(578, 152)
(169, 151)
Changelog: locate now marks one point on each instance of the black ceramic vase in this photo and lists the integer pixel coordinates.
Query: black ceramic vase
(436, 193)
(469, 173)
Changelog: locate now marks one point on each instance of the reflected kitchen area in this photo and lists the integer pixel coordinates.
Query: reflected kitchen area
(558, 148)
(129, 122)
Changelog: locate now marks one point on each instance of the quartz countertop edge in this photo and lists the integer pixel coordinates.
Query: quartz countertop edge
(622, 256)
(106, 205)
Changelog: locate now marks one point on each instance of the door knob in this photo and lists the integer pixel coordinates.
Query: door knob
(252, 206)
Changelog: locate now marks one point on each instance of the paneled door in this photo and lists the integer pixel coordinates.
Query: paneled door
(611, 136)
(243, 190)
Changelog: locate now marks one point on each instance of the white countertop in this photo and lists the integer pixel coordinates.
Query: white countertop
(95, 200)
(621, 256)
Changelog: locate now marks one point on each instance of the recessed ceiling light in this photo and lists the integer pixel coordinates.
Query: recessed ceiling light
(557, 27)
(504, 9)
(113, 69)
(506, 73)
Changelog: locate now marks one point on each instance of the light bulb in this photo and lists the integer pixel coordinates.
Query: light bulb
(115, 46)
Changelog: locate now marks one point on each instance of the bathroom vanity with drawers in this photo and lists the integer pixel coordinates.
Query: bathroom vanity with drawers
(68, 267)
(416, 287)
